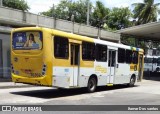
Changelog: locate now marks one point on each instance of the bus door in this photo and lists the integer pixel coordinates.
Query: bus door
(111, 65)
(140, 70)
(75, 63)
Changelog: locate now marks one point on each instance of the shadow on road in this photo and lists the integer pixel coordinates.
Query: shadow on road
(56, 93)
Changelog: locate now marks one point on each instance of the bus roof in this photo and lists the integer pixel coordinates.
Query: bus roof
(78, 37)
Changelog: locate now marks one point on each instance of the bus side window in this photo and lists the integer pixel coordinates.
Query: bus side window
(154, 60)
(128, 56)
(101, 53)
(121, 55)
(134, 57)
(88, 51)
(61, 47)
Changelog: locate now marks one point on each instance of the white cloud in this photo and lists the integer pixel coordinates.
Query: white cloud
(120, 3)
(37, 6)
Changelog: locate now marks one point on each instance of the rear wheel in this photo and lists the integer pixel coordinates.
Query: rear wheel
(132, 81)
(92, 84)
(157, 69)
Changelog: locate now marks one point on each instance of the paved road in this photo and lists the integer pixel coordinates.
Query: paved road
(144, 93)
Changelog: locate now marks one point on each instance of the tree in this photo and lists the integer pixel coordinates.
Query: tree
(119, 18)
(100, 14)
(66, 8)
(16, 4)
(145, 12)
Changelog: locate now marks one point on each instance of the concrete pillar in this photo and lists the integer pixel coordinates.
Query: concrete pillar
(24, 16)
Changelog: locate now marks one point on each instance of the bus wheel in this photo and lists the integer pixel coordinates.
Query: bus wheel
(92, 83)
(132, 81)
(157, 69)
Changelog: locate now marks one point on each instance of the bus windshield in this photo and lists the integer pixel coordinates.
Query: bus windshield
(30, 40)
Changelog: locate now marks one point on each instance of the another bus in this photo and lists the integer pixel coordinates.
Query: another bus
(152, 63)
(49, 57)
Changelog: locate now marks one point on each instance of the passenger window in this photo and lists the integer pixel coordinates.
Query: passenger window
(61, 47)
(129, 56)
(134, 57)
(101, 53)
(121, 55)
(88, 51)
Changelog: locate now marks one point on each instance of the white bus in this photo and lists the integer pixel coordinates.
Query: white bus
(49, 57)
(152, 63)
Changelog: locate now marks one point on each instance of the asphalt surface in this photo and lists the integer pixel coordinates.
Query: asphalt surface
(146, 92)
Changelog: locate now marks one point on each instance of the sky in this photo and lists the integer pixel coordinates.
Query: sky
(37, 6)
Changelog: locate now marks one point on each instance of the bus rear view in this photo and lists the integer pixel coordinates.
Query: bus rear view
(27, 62)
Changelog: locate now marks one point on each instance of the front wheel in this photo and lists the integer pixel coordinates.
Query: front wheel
(132, 81)
(92, 84)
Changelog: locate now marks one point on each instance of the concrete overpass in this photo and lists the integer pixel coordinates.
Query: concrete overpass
(148, 33)
(19, 18)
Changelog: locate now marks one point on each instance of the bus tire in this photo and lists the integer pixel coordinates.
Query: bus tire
(132, 81)
(92, 84)
(157, 69)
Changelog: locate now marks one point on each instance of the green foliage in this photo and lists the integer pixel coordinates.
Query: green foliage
(66, 8)
(100, 14)
(146, 12)
(16, 4)
(119, 18)
(128, 40)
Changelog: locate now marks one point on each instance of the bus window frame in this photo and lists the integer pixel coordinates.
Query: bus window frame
(91, 48)
(97, 52)
(124, 61)
(66, 58)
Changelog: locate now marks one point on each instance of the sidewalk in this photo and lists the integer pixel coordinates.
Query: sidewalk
(5, 80)
(7, 83)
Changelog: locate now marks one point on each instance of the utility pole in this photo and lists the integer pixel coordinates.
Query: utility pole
(72, 19)
(1, 3)
(88, 11)
(53, 11)
(54, 16)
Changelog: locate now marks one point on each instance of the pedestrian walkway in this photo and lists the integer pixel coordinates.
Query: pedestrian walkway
(5, 85)
(5, 80)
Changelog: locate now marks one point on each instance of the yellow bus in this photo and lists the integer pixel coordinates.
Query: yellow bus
(49, 57)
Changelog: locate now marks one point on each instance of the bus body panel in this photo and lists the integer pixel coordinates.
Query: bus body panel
(33, 66)
(73, 71)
